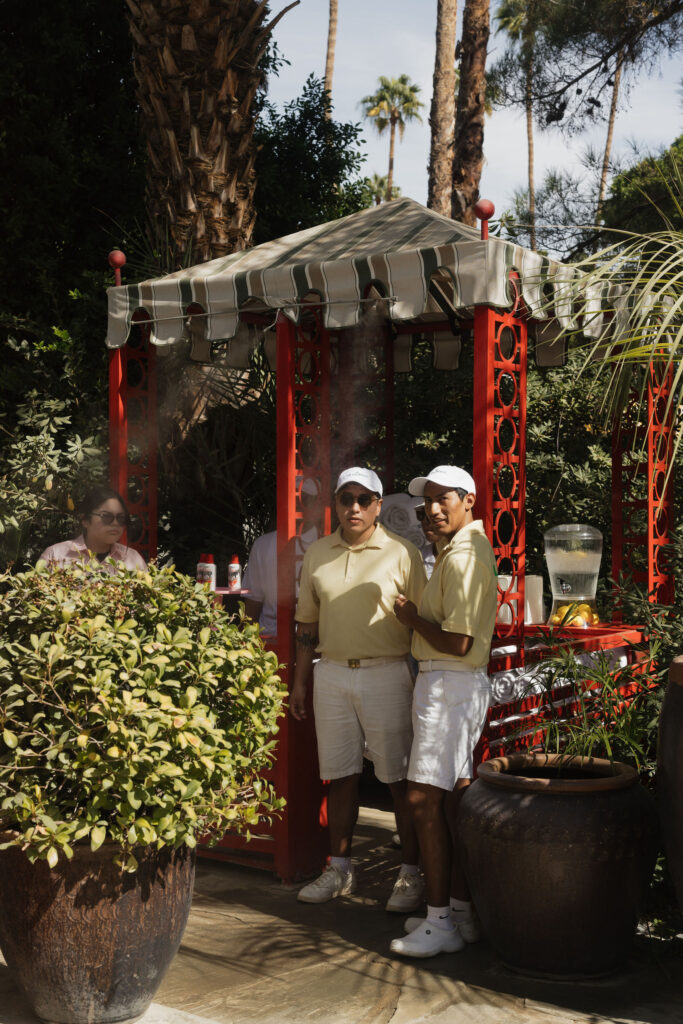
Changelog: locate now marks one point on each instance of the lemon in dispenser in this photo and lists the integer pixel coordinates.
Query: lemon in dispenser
(573, 553)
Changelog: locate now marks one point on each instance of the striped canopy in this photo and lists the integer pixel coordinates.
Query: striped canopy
(423, 265)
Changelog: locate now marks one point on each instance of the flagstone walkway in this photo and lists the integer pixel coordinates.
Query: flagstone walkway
(253, 955)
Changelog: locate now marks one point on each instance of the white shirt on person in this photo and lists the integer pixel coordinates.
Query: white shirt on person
(260, 575)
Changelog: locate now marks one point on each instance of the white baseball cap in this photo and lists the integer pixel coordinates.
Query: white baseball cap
(446, 476)
(309, 487)
(357, 475)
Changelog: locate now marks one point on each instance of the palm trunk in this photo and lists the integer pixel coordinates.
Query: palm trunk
(468, 157)
(610, 135)
(331, 44)
(529, 104)
(442, 115)
(197, 68)
(392, 145)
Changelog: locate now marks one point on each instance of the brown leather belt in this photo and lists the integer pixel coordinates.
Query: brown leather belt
(366, 662)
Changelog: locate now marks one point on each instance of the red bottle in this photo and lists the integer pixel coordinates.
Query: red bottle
(234, 575)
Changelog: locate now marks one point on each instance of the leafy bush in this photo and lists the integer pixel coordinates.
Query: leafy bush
(132, 709)
(50, 443)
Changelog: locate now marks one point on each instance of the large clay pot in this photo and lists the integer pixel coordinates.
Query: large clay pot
(87, 942)
(670, 775)
(558, 862)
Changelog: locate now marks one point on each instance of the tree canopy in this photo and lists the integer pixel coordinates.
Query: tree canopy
(649, 195)
(644, 197)
(306, 165)
(580, 43)
(72, 162)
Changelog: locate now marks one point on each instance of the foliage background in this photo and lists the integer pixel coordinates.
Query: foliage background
(74, 188)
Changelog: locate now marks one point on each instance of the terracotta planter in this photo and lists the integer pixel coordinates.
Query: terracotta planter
(670, 775)
(86, 942)
(558, 865)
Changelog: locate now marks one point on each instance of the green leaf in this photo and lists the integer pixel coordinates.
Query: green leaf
(97, 837)
(190, 790)
(10, 739)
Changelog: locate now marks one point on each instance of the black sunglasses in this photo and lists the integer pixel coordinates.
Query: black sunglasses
(109, 517)
(348, 500)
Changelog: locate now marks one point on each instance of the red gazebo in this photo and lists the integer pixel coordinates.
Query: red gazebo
(337, 308)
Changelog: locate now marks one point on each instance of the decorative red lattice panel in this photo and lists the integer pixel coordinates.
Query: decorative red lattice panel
(500, 351)
(642, 487)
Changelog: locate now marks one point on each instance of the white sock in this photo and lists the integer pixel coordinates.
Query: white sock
(343, 863)
(440, 917)
(409, 869)
(461, 909)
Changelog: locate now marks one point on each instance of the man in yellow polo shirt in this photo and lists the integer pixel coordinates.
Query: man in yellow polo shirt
(452, 633)
(363, 689)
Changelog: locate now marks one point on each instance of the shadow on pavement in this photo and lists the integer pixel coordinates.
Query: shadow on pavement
(252, 954)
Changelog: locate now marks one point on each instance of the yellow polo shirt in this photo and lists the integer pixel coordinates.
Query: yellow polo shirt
(350, 593)
(461, 596)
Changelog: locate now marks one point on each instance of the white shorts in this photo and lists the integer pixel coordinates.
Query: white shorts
(358, 706)
(449, 713)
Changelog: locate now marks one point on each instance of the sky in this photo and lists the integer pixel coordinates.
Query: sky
(393, 37)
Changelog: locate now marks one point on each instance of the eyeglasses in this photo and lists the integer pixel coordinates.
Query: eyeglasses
(348, 500)
(121, 518)
(420, 515)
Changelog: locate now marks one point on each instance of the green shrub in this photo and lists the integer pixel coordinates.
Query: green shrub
(132, 709)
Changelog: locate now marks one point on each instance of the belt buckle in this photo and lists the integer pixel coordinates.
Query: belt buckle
(354, 662)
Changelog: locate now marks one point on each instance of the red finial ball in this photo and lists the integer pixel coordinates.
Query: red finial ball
(484, 209)
(117, 259)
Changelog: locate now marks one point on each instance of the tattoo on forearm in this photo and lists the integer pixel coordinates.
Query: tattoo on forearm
(309, 640)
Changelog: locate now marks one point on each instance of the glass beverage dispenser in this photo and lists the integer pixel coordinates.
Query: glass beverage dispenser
(573, 553)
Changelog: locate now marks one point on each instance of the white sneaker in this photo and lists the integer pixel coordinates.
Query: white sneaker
(469, 929)
(428, 940)
(407, 894)
(333, 882)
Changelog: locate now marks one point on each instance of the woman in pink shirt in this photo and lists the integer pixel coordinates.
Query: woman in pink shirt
(103, 518)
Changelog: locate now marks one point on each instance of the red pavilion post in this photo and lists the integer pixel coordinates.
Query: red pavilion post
(303, 453)
(499, 442)
(133, 438)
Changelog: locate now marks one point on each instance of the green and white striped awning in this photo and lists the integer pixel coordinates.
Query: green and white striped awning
(421, 263)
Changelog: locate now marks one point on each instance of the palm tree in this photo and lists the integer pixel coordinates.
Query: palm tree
(331, 44)
(442, 114)
(468, 156)
(377, 187)
(610, 134)
(516, 17)
(198, 69)
(394, 103)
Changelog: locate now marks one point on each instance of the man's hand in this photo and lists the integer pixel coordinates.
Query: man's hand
(405, 611)
(297, 701)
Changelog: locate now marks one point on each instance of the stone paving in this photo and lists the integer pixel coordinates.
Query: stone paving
(253, 955)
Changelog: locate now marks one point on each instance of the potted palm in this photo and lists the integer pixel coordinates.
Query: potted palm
(135, 717)
(560, 843)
